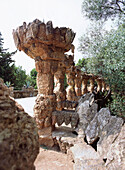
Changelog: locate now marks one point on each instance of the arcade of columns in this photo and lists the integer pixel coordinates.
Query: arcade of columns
(47, 46)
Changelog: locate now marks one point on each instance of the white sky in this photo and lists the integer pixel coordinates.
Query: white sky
(65, 13)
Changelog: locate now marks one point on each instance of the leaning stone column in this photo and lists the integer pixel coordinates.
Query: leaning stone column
(85, 79)
(59, 86)
(99, 84)
(47, 46)
(103, 85)
(70, 74)
(78, 81)
(92, 80)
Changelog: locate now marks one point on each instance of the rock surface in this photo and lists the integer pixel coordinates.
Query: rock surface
(104, 132)
(64, 138)
(116, 152)
(85, 157)
(18, 134)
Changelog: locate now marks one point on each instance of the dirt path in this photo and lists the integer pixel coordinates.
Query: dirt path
(52, 160)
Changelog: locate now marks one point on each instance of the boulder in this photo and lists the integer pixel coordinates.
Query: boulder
(86, 110)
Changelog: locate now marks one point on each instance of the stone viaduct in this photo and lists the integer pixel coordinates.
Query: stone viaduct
(48, 47)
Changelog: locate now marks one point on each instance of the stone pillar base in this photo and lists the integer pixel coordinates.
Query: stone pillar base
(46, 140)
(45, 105)
(45, 136)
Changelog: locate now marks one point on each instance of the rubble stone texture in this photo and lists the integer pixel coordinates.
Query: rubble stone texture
(85, 79)
(99, 83)
(67, 117)
(78, 81)
(71, 95)
(59, 86)
(19, 144)
(92, 80)
(47, 46)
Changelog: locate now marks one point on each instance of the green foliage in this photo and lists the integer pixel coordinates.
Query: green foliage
(8, 83)
(27, 83)
(6, 64)
(32, 78)
(91, 39)
(117, 106)
(33, 75)
(108, 60)
(21, 76)
(11, 74)
(103, 9)
(82, 63)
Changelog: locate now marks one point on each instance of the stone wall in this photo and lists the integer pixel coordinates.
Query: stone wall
(24, 93)
(19, 144)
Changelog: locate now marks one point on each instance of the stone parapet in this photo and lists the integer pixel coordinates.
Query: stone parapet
(65, 116)
(24, 93)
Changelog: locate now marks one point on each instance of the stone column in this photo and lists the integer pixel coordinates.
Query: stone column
(92, 80)
(103, 86)
(78, 82)
(70, 74)
(85, 79)
(59, 89)
(99, 84)
(46, 100)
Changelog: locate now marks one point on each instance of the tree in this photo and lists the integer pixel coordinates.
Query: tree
(21, 76)
(103, 9)
(91, 39)
(6, 64)
(89, 46)
(109, 61)
(82, 63)
(32, 78)
(33, 75)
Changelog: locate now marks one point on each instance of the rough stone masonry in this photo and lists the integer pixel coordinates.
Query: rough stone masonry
(47, 46)
(19, 144)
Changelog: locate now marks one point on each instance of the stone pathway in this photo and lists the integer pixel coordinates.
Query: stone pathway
(52, 160)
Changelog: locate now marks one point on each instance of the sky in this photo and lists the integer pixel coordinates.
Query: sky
(63, 13)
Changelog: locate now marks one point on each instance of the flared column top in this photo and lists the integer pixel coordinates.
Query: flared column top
(40, 39)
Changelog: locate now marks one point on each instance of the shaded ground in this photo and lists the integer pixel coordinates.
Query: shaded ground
(52, 160)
